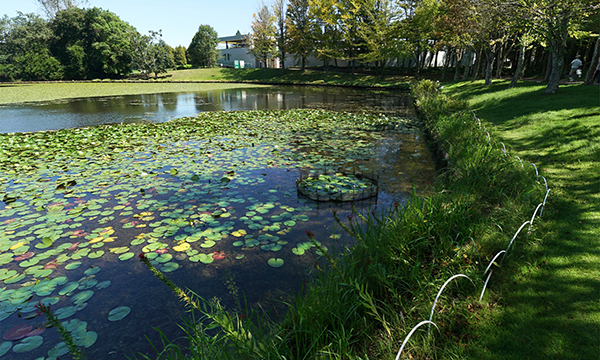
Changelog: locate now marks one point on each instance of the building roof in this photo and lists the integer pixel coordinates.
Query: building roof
(233, 38)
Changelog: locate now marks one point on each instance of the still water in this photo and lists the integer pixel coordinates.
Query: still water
(156, 108)
(115, 210)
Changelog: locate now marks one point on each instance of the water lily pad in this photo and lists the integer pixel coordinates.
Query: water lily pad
(298, 251)
(92, 271)
(5, 347)
(96, 254)
(28, 344)
(65, 312)
(17, 332)
(73, 265)
(88, 340)
(118, 313)
(170, 266)
(207, 244)
(103, 284)
(126, 256)
(275, 262)
(82, 297)
(59, 350)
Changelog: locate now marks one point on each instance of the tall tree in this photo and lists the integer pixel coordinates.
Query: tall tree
(52, 7)
(179, 56)
(553, 20)
(202, 51)
(380, 30)
(24, 53)
(279, 13)
(262, 37)
(300, 31)
(150, 53)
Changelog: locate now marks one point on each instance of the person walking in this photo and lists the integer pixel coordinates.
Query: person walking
(575, 65)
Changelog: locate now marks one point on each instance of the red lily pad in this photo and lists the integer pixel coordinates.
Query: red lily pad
(25, 256)
(17, 332)
(37, 331)
(161, 251)
(218, 255)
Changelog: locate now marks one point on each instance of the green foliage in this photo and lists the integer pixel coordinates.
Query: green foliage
(179, 56)
(150, 53)
(300, 27)
(202, 51)
(262, 37)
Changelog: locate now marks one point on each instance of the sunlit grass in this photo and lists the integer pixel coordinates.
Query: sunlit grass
(19, 93)
(547, 304)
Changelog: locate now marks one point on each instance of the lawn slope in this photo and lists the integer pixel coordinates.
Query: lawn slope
(549, 301)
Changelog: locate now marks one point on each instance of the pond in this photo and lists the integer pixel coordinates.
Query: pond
(211, 200)
(157, 108)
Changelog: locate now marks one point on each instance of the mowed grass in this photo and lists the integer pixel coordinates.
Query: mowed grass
(291, 77)
(20, 93)
(548, 301)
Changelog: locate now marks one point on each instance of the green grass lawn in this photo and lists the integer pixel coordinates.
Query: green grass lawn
(548, 301)
(291, 76)
(19, 93)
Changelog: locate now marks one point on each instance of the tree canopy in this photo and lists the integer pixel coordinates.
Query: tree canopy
(202, 51)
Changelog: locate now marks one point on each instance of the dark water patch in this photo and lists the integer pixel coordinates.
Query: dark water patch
(157, 108)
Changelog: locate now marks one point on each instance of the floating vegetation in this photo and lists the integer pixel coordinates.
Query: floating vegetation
(337, 186)
(215, 189)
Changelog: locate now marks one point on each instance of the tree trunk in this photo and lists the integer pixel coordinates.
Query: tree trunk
(558, 61)
(490, 66)
(449, 53)
(589, 77)
(548, 68)
(500, 60)
(467, 66)
(478, 62)
(519, 71)
(458, 58)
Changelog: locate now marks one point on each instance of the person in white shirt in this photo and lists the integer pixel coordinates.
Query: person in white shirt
(575, 65)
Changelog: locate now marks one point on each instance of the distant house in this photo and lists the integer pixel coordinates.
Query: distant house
(236, 54)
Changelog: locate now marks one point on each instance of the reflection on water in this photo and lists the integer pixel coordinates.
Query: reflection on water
(158, 108)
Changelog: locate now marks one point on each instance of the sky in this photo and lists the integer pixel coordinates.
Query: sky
(178, 19)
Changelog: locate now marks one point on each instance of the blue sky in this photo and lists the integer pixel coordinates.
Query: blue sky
(178, 19)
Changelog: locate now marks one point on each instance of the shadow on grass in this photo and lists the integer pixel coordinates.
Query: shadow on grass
(550, 294)
(549, 290)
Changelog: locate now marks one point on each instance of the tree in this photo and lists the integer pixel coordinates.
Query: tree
(553, 20)
(24, 53)
(380, 31)
(279, 11)
(202, 51)
(262, 37)
(179, 56)
(150, 54)
(300, 31)
(52, 7)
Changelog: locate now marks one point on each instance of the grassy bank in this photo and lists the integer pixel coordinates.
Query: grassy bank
(375, 292)
(20, 93)
(290, 77)
(548, 301)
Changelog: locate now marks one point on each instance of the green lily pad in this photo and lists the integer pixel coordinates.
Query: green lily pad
(126, 256)
(59, 350)
(170, 266)
(118, 313)
(207, 244)
(92, 271)
(96, 254)
(275, 262)
(298, 251)
(4, 347)
(103, 284)
(88, 340)
(73, 265)
(28, 344)
(72, 286)
(82, 297)
(65, 312)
